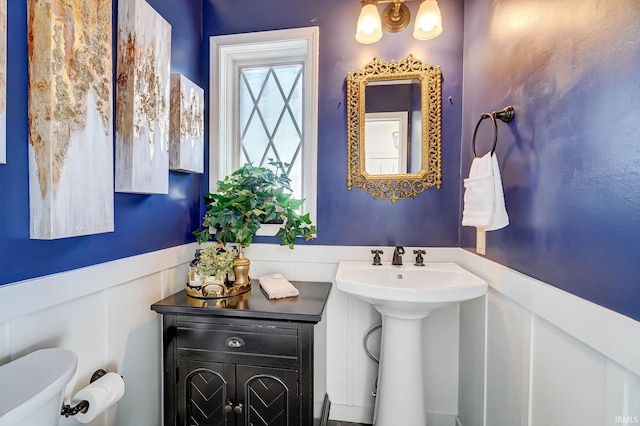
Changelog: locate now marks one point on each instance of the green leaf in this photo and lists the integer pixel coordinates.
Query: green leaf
(249, 197)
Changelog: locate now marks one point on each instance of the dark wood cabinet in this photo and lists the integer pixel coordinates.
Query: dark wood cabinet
(249, 362)
(212, 393)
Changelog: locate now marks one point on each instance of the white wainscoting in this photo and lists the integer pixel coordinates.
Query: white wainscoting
(527, 354)
(102, 314)
(351, 374)
(547, 357)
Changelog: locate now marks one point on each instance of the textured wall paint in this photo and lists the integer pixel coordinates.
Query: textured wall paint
(143, 223)
(570, 160)
(355, 218)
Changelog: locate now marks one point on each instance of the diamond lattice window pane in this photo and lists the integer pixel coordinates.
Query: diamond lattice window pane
(290, 78)
(256, 143)
(269, 154)
(271, 100)
(287, 139)
(271, 104)
(295, 174)
(254, 78)
(246, 108)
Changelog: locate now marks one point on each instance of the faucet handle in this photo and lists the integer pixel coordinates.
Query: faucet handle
(419, 258)
(376, 257)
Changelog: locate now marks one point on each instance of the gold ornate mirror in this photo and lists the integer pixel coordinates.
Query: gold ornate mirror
(394, 137)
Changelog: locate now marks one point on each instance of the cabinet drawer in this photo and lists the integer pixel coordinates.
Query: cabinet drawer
(238, 339)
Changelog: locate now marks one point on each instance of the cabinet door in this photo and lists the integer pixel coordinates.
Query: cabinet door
(269, 396)
(205, 389)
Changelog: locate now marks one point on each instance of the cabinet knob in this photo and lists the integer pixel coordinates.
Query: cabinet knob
(238, 409)
(234, 342)
(228, 408)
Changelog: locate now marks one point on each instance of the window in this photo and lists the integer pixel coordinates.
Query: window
(271, 118)
(263, 105)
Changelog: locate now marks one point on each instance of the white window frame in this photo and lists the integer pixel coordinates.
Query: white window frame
(230, 52)
(401, 118)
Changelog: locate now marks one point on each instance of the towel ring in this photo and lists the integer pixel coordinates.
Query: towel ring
(505, 115)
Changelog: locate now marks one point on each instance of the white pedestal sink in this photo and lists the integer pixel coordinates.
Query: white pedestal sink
(404, 295)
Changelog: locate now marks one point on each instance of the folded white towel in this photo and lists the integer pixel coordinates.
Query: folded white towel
(483, 197)
(277, 287)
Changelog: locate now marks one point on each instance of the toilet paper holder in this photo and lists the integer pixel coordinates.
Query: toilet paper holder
(82, 406)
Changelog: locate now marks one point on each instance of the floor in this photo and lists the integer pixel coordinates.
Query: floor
(339, 423)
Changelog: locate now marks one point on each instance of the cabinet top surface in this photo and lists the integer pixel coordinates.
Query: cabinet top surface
(307, 307)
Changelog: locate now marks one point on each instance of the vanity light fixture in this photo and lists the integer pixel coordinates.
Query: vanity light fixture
(395, 18)
(369, 28)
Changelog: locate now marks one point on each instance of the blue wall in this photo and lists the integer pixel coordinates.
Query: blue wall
(143, 223)
(355, 218)
(571, 159)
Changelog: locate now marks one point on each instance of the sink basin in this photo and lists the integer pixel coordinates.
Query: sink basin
(409, 290)
(405, 295)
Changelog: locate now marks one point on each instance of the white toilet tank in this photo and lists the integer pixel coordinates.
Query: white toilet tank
(32, 387)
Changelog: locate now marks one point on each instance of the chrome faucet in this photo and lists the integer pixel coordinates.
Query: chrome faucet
(397, 255)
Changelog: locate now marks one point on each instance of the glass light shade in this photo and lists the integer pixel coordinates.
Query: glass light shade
(428, 21)
(369, 28)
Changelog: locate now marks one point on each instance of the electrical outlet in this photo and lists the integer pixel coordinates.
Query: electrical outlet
(481, 241)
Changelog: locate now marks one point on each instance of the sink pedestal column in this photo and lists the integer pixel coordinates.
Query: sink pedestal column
(400, 393)
(405, 295)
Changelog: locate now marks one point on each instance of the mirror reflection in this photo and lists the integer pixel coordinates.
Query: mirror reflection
(393, 117)
(386, 149)
(393, 127)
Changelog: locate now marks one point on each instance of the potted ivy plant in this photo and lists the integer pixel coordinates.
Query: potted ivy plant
(248, 198)
(209, 271)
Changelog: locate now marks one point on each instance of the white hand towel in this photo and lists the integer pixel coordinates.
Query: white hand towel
(483, 197)
(500, 216)
(277, 287)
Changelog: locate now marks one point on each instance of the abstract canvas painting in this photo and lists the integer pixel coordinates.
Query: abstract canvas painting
(70, 118)
(142, 99)
(186, 135)
(3, 81)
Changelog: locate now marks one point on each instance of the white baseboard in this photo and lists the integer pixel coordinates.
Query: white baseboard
(350, 413)
(436, 419)
(364, 415)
